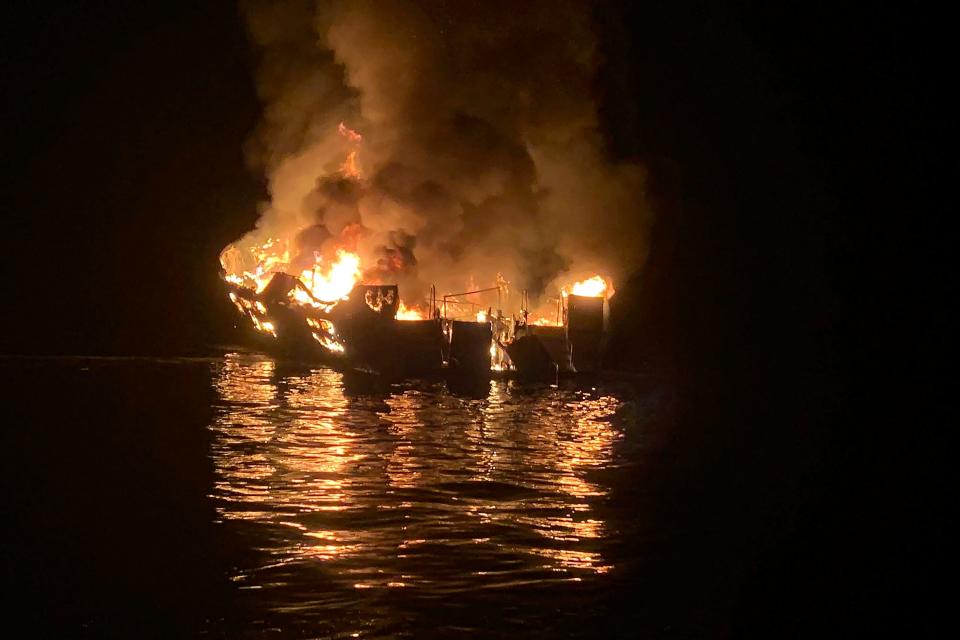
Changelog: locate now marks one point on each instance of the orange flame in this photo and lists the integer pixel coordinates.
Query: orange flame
(408, 313)
(594, 287)
(336, 281)
(350, 168)
(326, 334)
(349, 133)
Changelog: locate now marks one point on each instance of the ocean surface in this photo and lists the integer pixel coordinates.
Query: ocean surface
(239, 496)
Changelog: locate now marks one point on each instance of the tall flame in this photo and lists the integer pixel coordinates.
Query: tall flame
(336, 281)
(350, 168)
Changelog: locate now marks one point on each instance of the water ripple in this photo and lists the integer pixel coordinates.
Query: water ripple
(348, 497)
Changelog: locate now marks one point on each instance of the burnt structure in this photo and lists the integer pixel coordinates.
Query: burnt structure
(420, 345)
(540, 352)
(585, 332)
(470, 346)
(364, 325)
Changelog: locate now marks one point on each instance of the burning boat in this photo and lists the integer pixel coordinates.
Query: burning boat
(359, 330)
(330, 292)
(369, 329)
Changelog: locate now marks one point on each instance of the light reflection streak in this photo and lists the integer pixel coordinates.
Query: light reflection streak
(281, 453)
(377, 489)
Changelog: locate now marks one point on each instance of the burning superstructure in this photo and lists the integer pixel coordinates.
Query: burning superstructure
(368, 327)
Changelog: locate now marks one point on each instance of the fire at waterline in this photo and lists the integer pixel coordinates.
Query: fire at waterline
(332, 308)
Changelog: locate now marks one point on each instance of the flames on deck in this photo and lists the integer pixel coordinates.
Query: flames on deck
(315, 284)
(324, 279)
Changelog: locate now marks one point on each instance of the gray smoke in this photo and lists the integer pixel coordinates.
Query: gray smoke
(480, 151)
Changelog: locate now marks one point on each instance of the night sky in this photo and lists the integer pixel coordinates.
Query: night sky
(128, 176)
(800, 272)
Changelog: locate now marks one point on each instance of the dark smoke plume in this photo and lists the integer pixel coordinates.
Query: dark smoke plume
(480, 150)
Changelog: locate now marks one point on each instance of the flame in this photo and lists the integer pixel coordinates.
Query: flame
(545, 322)
(326, 334)
(349, 168)
(270, 257)
(325, 282)
(263, 325)
(495, 363)
(257, 312)
(328, 282)
(594, 287)
(328, 343)
(407, 313)
(481, 316)
(349, 133)
(336, 281)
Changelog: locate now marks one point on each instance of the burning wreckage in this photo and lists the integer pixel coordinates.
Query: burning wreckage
(333, 318)
(309, 298)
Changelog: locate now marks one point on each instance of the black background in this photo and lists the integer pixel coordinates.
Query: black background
(798, 288)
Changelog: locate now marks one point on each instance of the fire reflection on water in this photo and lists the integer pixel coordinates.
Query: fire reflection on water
(418, 488)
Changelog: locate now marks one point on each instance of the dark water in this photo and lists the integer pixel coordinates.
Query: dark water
(244, 497)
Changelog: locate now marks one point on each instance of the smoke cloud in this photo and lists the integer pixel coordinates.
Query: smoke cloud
(480, 151)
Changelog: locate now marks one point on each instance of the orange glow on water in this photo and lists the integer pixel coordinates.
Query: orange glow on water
(296, 466)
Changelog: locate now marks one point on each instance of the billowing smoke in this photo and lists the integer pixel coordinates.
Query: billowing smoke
(480, 152)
